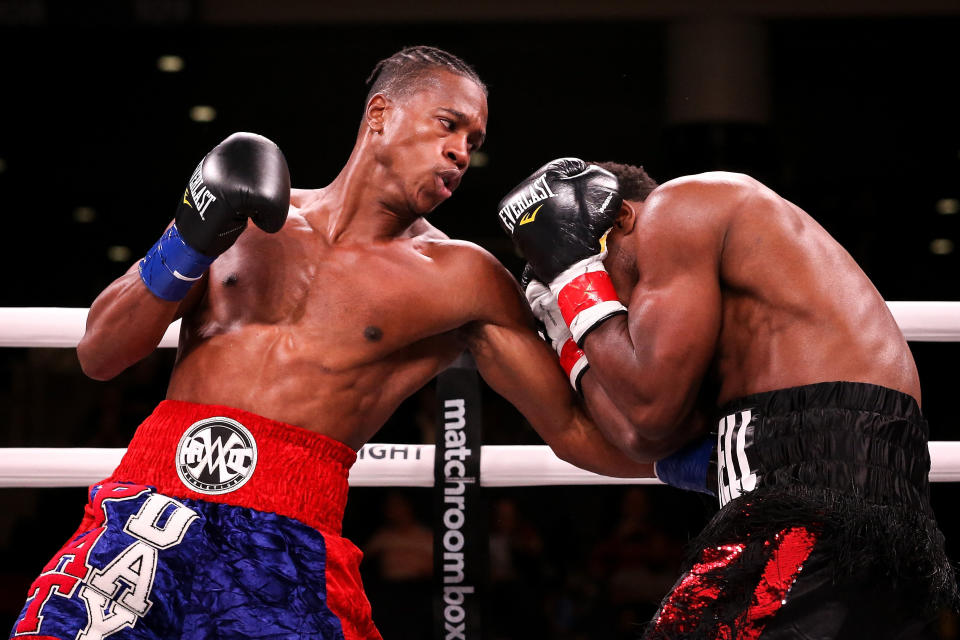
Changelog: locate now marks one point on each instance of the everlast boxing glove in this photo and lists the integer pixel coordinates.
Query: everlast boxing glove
(558, 218)
(245, 176)
(544, 306)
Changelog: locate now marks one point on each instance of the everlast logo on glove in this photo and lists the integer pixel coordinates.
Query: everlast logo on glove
(200, 194)
(535, 192)
(576, 205)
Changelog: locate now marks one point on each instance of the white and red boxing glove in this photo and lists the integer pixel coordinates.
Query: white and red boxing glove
(559, 218)
(544, 306)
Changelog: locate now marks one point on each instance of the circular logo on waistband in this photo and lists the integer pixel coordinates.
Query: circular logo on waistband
(216, 455)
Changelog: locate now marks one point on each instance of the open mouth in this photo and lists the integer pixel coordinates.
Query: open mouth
(448, 181)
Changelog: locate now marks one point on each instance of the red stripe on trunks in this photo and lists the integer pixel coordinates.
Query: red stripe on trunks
(781, 572)
(702, 585)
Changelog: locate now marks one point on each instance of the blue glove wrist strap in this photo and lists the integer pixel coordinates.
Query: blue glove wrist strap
(689, 467)
(171, 266)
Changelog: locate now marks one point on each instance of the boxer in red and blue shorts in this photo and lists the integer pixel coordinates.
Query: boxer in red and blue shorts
(211, 527)
(326, 313)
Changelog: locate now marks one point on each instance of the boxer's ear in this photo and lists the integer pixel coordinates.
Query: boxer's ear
(376, 110)
(626, 218)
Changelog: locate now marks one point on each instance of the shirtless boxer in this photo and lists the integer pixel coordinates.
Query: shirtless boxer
(712, 295)
(223, 520)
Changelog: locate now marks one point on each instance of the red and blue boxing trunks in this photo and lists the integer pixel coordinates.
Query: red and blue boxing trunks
(218, 523)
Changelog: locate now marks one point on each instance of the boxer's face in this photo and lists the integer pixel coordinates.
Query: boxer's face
(428, 137)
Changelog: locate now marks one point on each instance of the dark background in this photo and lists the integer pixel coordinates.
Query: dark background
(848, 110)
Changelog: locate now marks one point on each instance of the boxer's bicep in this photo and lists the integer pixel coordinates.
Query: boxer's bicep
(674, 329)
(515, 361)
(675, 311)
(650, 363)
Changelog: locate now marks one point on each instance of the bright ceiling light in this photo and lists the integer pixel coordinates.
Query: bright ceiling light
(947, 206)
(83, 215)
(119, 253)
(203, 113)
(941, 246)
(170, 64)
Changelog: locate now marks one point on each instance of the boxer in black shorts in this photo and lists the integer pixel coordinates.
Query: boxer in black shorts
(712, 318)
(825, 529)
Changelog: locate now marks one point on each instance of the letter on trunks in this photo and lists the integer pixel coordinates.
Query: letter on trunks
(100, 623)
(143, 525)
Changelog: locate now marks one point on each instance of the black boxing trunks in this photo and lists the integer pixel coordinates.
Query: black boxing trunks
(825, 528)
(217, 524)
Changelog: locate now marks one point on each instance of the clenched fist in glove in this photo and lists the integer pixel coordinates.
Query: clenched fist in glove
(559, 218)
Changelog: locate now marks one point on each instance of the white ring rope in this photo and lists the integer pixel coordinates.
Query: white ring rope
(381, 465)
(924, 321)
(378, 465)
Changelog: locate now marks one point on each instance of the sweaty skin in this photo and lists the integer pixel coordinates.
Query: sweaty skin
(731, 290)
(357, 302)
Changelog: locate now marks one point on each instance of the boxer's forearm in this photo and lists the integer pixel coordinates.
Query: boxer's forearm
(125, 324)
(245, 176)
(584, 445)
(647, 390)
(622, 432)
(524, 370)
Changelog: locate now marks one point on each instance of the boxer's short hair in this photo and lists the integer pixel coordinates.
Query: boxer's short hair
(635, 184)
(404, 72)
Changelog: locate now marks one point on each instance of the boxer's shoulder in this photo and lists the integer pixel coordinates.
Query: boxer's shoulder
(470, 273)
(710, 180)
(462, 257)
(694, 211)
(704, 193)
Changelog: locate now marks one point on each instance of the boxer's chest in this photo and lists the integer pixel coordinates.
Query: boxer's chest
(343, 306)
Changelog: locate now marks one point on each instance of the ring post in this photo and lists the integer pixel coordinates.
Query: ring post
(460, 539)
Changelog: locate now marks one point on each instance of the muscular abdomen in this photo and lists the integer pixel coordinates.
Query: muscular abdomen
(328, 339)
(274, 375)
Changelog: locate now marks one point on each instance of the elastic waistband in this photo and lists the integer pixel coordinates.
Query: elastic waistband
(854, 437)
(832, 396)
(196, 451)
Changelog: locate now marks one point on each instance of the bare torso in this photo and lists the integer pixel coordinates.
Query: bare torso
(356, 302)
(329, 337)
(794, 306)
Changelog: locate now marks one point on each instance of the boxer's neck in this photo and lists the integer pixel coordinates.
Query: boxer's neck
(357, 207)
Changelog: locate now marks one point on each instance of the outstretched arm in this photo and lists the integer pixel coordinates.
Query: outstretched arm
(518, 365)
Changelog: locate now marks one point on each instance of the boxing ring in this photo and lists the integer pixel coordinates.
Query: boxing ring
(383, 465)
(460, 540)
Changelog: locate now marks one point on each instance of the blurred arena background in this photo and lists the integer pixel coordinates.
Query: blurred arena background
(848, 108)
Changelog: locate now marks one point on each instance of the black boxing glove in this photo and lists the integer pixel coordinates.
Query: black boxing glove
(545, 309)
(559, 218)
(245, 176)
